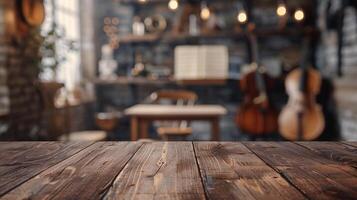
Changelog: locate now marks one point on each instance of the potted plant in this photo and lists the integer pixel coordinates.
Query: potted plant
(53, 52)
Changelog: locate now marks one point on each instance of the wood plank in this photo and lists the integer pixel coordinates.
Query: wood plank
(160, 171)
(316, 176)
(86, 175)
(21, 161)
(354, 144)
(231, 171)
(338, 152)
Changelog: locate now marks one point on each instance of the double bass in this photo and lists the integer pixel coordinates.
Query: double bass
(302, 118)
(256, 115)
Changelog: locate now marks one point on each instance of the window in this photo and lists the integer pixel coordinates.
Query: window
(66, 16)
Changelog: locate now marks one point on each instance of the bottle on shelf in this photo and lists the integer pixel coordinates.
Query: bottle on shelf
(107, 64)
(138, 27)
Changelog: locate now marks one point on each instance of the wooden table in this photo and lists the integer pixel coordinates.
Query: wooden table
(178, 170)
(142, 114)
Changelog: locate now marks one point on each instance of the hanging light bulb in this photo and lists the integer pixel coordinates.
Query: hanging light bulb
(281, 10)
(142, 1)
(242, 17)
(205, 13)
(173, 4)
(299, 15)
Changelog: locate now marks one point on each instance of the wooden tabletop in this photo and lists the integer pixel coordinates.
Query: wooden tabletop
(178, 170)
(173, 110)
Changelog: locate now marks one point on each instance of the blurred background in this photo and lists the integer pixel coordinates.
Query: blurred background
(269, 69)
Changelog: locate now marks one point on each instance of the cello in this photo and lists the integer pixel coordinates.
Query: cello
(302, 118)
(256, 116)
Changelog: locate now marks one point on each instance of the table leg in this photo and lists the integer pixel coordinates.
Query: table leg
(134, 128)
(144, 126)
(215, 129)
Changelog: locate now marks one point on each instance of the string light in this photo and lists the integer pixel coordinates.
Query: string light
(242, 16)
(173, 4)
(205, 13)
(281, 10)
(299, 15)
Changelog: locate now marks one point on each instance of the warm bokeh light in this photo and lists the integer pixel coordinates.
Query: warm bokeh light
(173, 4)
(299, 15)
(115, 21)
(107, 20)
(205, 13)
(281, 10)
(142, 1)
(242, 17)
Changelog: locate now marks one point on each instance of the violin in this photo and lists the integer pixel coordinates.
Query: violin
(256, 116)
(302, 118)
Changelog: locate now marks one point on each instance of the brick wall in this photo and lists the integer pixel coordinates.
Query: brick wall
(4, 99)
(19, 99)
(346, 86)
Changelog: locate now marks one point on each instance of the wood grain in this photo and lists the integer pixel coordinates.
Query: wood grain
(21, 161)
(338, 152)
(316, 176)
(354, 144)
(160, 171)
(86, 175)
(178, 170)
(231, 171)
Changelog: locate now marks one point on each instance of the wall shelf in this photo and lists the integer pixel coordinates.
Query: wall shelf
(139, 39)
(150, 81)
(170, 37)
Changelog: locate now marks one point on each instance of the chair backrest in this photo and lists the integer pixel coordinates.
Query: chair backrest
(178, 97)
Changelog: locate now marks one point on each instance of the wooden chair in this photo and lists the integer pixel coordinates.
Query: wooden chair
(171, 130)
